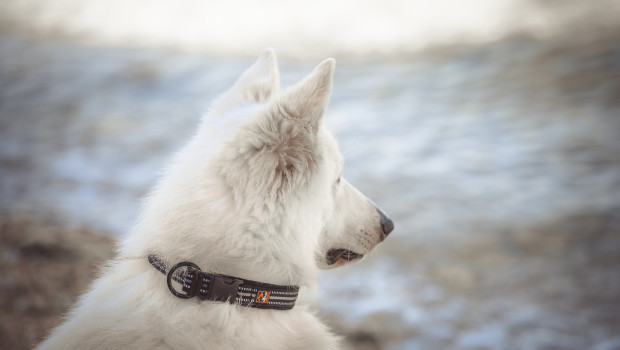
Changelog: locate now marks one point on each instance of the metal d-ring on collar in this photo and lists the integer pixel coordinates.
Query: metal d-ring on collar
(194, 269)
(216, 287)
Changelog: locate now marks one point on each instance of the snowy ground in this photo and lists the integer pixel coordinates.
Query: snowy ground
(500, 165)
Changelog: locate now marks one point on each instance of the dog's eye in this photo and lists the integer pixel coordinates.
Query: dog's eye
(338, 180)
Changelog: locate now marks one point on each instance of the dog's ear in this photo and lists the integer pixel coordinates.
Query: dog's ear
(279, 146)
(307, 100)
(257, 84)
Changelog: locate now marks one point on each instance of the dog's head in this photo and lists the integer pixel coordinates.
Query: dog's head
(284, 168)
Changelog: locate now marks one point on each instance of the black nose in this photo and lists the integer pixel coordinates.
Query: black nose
(386, 224)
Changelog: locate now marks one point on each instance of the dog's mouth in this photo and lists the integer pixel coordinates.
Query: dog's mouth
(341, 256)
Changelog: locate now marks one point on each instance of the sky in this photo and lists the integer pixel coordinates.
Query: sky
(302, 29)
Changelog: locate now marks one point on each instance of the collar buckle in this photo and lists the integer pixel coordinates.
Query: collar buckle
(224, 288)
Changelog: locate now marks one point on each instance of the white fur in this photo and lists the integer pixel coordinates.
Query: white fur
(257, 193)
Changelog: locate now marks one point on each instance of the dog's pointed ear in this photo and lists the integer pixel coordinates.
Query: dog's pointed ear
(257, 84)
(306, 102)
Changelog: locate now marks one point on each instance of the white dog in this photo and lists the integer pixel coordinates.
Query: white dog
(251, 208)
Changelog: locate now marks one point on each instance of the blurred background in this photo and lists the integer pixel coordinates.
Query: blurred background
(488, 130)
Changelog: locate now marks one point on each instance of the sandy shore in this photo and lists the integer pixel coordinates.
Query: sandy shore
(46, 266)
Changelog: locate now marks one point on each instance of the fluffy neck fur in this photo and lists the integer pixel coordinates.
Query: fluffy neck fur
(192, 210)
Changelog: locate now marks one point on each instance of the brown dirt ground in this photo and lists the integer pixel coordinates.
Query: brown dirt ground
(45, 267)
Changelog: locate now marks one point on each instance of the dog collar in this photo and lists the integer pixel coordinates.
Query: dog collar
(216, 287)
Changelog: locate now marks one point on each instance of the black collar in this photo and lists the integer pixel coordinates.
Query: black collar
(216, 287)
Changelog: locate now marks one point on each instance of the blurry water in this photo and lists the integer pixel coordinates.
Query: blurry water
(499, 164)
